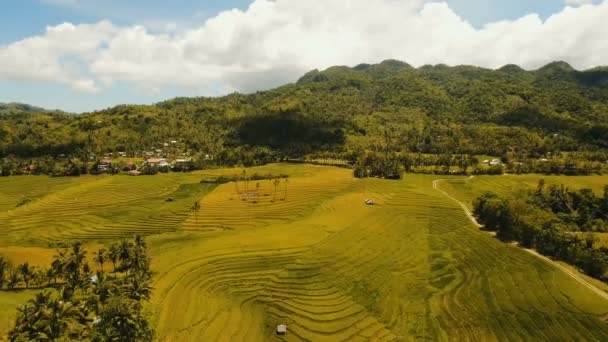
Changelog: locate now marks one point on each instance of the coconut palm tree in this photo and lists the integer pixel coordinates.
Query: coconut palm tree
(57, 318)
(100, 257)
(196, 208)
(39, 277)
(119, 320)
(13, 278)
(74, 262)
(137, 289)
(24, 323)
(51, 275)
(140, 242)
(113, 253)
(4, 268)
(101, 287)
(58, 264)
(124, 252)
(27, 273)
(276, 183)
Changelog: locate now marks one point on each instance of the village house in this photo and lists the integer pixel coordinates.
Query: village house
(160, 162)
(104, 165)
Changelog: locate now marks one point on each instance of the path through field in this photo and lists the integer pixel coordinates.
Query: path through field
(557, 265)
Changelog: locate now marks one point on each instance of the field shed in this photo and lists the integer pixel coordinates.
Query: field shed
(281, 329)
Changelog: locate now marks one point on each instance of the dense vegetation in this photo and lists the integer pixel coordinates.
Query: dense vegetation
(549, 220)
(80, 304)
(521, 116)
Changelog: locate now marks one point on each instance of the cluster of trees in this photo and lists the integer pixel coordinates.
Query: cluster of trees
(59, 166)
(388, 107)
(551, 220)
(244, 177)
(557, 166)
(378, 165)
(79, 303)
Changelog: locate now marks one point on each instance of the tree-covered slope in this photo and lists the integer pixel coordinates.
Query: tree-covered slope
(389, 106)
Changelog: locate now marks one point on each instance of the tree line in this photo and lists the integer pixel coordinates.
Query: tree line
(555, 220)
(78, 303)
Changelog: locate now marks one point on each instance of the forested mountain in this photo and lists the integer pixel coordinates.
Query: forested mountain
(22, 107)
(385, 107)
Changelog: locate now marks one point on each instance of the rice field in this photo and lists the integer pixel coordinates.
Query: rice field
(313, 257)
(467, 189)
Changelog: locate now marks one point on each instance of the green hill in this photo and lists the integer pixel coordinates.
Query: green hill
(389, 106)
(22, 107)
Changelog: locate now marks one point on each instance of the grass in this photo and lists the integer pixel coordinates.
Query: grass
(320, 260)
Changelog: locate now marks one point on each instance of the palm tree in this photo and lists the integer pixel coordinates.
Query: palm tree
(236, 184)
(39, 301)
(4, 268)
(100, 257)
(39, 277)
(244, 177)
(77, 254)
(124, 252)
(27, 273)
(56, 318)
(276, 183)
(137, 289)
(23, 324)
(139, 262)
(13, 279)
(140, 242)
(196, 207)
(120, 320)
(74, 262)
(58, 264)
(102, 287)
(51, 274)
(113, 253)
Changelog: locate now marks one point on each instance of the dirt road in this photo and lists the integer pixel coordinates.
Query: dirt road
(572, 274)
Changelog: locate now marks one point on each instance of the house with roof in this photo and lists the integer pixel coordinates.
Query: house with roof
(104, 165)
(160, 162)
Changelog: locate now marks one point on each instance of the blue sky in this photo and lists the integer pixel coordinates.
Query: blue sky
(21, 19)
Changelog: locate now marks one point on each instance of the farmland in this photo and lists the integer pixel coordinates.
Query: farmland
(310, 254)
(467, 189)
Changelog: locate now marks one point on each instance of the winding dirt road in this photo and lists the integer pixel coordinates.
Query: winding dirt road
(557, 265)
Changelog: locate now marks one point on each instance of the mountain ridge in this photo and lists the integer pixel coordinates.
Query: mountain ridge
(340, 111)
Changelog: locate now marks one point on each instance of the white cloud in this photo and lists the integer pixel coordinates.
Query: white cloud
(274, 42)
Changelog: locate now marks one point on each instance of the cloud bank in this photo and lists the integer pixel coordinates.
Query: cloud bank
(274, 42)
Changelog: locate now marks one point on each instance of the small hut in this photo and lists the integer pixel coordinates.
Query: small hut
(281, 329)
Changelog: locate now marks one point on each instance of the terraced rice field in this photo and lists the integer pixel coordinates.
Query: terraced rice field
(467, 189)
(319, 260)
